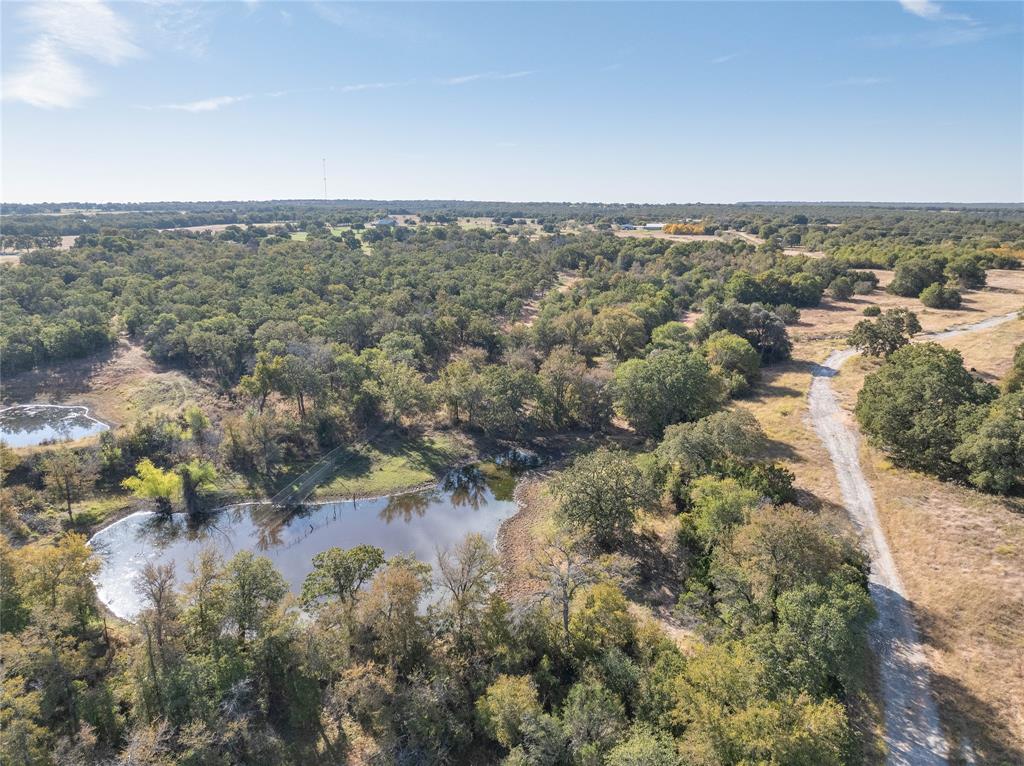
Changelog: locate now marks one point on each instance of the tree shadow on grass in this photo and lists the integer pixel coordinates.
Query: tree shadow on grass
(660, 570)
(972, 724)
(975, 732)
(414, 446)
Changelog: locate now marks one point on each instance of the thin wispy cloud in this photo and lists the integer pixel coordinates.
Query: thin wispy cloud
(940, 36)
(49, 73)
(219, 102)
(933, 11)
(363, 86)
(944, 29)
(861, 82)
(463, 79)
(725, 58)
(183, 26)
(204, 104)
(926, 9)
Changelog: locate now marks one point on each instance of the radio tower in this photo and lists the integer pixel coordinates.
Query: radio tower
(325, 178)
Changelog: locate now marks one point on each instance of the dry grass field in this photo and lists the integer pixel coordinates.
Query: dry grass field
(119, 387)
(833, 319)
(960, 552)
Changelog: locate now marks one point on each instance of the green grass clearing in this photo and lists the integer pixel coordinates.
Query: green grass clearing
(392, 464)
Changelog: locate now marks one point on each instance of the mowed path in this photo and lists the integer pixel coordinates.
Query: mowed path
(913, 734)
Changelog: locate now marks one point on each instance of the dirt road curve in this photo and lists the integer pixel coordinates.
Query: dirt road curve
(913, 735)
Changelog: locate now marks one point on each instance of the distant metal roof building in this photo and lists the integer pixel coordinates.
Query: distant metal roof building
(386, 221)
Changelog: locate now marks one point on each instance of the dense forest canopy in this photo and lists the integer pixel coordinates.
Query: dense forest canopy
(321, 331)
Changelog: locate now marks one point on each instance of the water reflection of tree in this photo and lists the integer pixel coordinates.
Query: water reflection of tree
(406, 506)
(160, 530)
(466, 487)
(270, 523)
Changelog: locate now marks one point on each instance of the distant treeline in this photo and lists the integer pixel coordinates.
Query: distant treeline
(68, 218)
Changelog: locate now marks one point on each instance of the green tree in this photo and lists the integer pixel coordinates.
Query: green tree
(390, 614)
(967, 272)
(561, 380)
(399, 388)
(733, 358)
(672, 335)
(593, 718)
(892, 330)
(914, 405)
(68, 475)
(717, 505)
(338, 574)
(196, 477)
(694, 449)
(665, 388)
(250, 589)
(775, 550)
(153, 483)
(644, 746)
(1014, 380)
(460, 390)
(841, 288)
(913, 275)
(620, 331)
(601, 621)
(602, 493)
(506, 707)
(993, 452)
(727, 717)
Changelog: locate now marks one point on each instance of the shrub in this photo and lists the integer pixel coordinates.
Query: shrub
(788, 313)
(913, 275)
(872, 311)
(841, 288)
(734, 358)
(937, 296)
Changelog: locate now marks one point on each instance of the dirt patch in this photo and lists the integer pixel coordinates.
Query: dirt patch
(119, 386)
(531, 308)
(519, 536)
(658, 234)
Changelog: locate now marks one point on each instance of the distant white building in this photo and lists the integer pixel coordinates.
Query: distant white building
(654, 226)
(386, 221)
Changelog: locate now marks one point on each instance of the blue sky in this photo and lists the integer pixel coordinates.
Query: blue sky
(682, 102)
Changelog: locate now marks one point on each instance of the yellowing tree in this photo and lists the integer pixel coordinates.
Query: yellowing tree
(152, 483)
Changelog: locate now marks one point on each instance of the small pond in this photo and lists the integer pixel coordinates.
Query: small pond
(475, 499)
(26, 425)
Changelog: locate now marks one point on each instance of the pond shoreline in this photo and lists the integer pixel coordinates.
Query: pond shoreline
(421, 524)
(26, 428)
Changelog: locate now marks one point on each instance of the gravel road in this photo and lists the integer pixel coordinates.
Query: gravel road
(913, 735)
